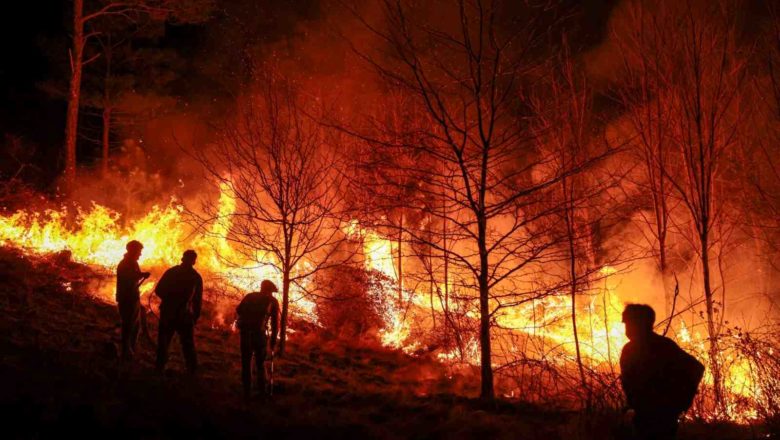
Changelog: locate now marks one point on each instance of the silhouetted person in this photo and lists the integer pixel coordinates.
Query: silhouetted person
(128, 298)
(181, 293)
(659, 378)
(254, 313)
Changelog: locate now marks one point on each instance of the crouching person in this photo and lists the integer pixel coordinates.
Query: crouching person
(254, 312)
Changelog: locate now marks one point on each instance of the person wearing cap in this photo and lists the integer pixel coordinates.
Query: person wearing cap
(181, 295)
(254, 313)
(128, 297)
(659, 378)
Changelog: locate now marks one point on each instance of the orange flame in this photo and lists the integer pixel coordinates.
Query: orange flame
(97, 237)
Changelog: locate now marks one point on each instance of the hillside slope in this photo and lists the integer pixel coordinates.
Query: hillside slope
(59, 376)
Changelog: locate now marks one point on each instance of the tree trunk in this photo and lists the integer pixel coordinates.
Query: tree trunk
(446, 305)
(663, 268)
(604, 306)
(74, 93)
(446, 257)
(285, 305)
(659, 202)
(106, 110)
(400, 263)
(714, 349)
(430, 294)
(106, 139)
(486, 366)
(661, 211)
(573, 292)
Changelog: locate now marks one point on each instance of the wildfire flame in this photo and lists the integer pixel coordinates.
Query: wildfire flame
(97, 235)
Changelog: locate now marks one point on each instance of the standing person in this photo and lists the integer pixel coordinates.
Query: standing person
(181, 293)
(128, 298)
(254, 312)
(659, 378)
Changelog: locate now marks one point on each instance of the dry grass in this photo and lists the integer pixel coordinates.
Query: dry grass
(59, 376)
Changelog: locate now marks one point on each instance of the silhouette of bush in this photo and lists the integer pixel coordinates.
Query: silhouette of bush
(353, 301)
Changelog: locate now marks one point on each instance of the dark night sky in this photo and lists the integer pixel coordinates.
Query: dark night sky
(26, 110)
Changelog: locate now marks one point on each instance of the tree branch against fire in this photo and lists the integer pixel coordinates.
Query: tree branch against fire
(274, 161)
(473, 147)
(131, 11)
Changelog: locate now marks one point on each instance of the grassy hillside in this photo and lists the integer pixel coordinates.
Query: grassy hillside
(60, 376)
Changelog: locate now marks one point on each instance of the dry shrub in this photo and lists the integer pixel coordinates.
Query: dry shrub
(751, 365)
(762, 350)
(353, 301)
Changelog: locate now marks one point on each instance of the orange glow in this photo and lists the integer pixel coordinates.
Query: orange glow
(97, 237)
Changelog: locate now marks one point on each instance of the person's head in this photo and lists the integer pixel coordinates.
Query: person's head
(268, 287)
(189, 257)
(639, 320)
(134, 249)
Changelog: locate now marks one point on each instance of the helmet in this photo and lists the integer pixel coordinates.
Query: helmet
(134, 245)
(268, 286)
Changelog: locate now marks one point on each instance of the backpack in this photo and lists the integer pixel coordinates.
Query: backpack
(690, 372)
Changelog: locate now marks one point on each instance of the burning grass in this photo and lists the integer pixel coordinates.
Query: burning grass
(59, 375)
(534, 359)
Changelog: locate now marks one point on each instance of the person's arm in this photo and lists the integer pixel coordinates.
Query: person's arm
(240, 310)
(161, 289)
(693, 368)
(241, 306)
(142, 275)
(688, 372)
(627, 379)
(197, 300)
(274, 324)
(138, 275)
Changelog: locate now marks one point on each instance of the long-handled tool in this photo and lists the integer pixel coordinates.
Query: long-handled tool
(271, 377)
(268, 365)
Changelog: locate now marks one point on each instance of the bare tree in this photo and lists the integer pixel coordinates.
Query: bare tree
(276, 163)
(83, 32)
(708, 74)
(16, 159)
(683, 69)
(645, 46)
(379, 186)
(565, 126)
(467, 72)
(760, 156)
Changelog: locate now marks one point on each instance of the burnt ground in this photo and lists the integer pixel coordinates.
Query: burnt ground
(60, 377)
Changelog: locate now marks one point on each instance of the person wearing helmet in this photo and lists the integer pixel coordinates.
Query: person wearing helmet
(181, 294)
(254, 312)
(128, 298)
